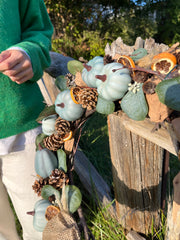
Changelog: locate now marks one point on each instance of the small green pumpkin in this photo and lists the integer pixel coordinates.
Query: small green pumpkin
(91, 69)
(66, 108)
(168, 92)
(134, 103)
(113, 81)
(39, 220)
(45, 162)
(104, 106)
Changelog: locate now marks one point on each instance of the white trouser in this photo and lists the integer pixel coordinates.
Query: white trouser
(18, 176)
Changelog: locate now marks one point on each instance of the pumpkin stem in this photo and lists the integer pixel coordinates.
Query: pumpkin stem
(62, 105)
(102, 77)
(87, 67)
(31, 213)
(114, 70)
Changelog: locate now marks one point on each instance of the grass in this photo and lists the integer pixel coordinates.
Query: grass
(95, 144)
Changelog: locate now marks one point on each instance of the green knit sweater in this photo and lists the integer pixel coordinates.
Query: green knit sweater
(24, 24)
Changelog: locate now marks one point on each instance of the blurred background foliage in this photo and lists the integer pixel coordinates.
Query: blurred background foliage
(83, 28)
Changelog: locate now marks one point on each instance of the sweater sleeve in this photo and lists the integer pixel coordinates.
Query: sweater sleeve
(36, 33)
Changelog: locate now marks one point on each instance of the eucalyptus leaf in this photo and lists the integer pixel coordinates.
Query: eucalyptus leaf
(61, 83)
(61, 155)
(48, 110)
(104, 106)
(39, 140)
(168, 92)
(138, 54)
(74, 197)
(75, 66)
(48, 191)
(134, 104)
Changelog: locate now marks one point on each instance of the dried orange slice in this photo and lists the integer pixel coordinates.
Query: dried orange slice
(163, 62)
(51, 211)
(126, 61)
(74, 94)
(68, 136)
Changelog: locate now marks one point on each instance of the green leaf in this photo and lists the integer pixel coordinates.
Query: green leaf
(138, 54)
(75, 66)
(168, 92)
(48, 110)
(39, 140)
(134, 105)
(61, 155)
(48, 191)
(104, 106)
(74, 197)
(61, 83)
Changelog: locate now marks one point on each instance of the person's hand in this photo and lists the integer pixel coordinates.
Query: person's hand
(16, 65)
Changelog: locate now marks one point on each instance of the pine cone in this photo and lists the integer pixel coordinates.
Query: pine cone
(38, 185)
(62, 127)
(57, 178)
(140, 76)
(149, 87)
(108, 59)
(76, 92)
(70, 80)
(88, 98)
(53, 142)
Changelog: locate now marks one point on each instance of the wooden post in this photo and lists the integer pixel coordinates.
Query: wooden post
(137, 164)
(173, 217)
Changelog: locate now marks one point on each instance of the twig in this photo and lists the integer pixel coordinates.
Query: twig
(87, 233)
(142, 70)
(83, 222)
(173, 47)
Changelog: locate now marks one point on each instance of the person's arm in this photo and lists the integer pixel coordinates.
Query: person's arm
(36, 35)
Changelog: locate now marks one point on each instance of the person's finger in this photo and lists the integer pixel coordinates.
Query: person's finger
(4, 55)
(10, 62)
(18, 68)
(22, 76)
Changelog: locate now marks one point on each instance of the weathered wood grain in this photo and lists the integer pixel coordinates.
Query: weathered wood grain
(93, 182)
(173, 216)
(119, 47)
(137, 174)
(132, 235)
(51, 87)
(164, 138)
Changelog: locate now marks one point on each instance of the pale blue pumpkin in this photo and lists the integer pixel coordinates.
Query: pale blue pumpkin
(39, 220)
(45, 162)
(91, 69)
(113, 81)
(66, 108)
